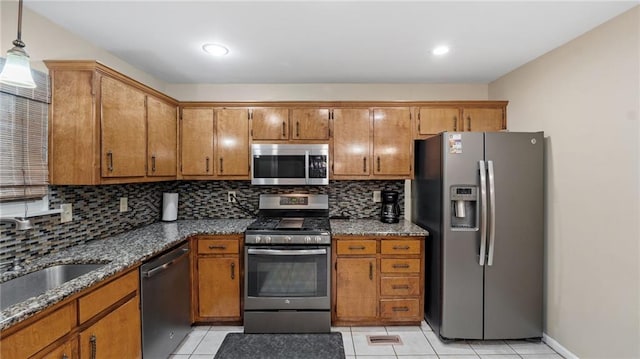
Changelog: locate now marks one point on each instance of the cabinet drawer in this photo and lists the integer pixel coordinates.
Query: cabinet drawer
(400, 308)
(400, 265)
(105, 296)
(404, 286)
(356, 247)
(391, 246)
(38, 335)
(217, 246)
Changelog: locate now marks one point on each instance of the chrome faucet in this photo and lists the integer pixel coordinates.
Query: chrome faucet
(21, 223)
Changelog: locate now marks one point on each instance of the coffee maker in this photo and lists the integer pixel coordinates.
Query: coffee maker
(390, 212)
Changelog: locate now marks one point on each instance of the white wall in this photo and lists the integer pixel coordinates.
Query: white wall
(46, 40)
(585, 95)
(327, 92)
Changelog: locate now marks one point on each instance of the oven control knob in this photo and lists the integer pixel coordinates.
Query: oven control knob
(307, 239)
(267, 239)
(287, 239)
(318, 239)
(258, 239)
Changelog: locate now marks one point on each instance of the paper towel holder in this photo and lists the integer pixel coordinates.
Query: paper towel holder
(169, 207)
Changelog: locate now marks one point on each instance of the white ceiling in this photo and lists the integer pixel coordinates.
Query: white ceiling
(328, 41)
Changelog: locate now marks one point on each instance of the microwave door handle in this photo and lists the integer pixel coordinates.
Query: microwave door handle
(306, 167)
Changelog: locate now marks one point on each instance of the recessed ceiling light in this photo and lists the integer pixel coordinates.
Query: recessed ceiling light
(215, 49)
(440, 50)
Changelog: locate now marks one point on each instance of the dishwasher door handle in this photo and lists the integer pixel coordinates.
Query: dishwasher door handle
(151, 272)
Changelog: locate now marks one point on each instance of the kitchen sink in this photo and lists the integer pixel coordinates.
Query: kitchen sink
(36, 283)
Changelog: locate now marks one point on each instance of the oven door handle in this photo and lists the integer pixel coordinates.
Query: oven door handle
(287, 252)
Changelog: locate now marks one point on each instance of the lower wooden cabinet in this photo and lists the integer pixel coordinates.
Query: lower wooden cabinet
(216, 274)
(378, 280)
(100, 322)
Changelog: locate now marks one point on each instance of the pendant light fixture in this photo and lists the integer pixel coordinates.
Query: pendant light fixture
(17, 69)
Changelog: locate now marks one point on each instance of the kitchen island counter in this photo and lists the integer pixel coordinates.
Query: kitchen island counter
(119, 252)
(373, 227)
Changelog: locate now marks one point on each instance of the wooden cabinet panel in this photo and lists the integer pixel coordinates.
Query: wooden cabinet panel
(411, 246)
(218, 246)
(400, 265)
(35, 337)
(400, 308)
(356, 247)
(197, 141)
(433, 120)
(310, 124)
(218, 287)
(74, 152)
(68, 350)
(123, 126)
(232, 142)
(356, 288)
(392, 141)
(270, 123)
(400, 286)
(352, 142)
(483, 119)
(117, 335)
(162, 138)
(105, 296)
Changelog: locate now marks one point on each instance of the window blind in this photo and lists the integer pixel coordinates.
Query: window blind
(23, 139)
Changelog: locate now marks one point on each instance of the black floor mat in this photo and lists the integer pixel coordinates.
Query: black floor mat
(281, 346)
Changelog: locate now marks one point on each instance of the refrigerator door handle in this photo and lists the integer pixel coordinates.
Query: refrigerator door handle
(492, 215)
(483, 212)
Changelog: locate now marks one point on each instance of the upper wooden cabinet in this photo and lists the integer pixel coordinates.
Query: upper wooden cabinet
(214, 143)
(477, 116)
(232, 142)
(309, 124)
(270, 123)
(162, 138)
(352, 135)
(98, 126)
(196, 140)
(392, 142)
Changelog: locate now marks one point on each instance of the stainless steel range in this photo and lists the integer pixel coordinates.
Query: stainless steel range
(287, 260)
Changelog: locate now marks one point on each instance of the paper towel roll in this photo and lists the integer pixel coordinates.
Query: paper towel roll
(169, 206)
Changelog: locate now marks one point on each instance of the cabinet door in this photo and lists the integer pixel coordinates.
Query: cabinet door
(310, 124)
(351, 142)
(232, 142)
(162, 138)
(218, 287)
(270, 123)
(392, 141)
(483, 119)
(197, 141)
(356, 288)
(117, 335)
(433, 120)
(68, 350)
(124, 133)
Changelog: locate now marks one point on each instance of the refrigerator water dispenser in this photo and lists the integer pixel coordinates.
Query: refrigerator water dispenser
(464, 207)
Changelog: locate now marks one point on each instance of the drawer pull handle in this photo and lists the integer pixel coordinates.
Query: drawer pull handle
(400, 248)
(217, 247)
(354, 248)
(93, 343)
(400, 286)
(400, 309)
(400, 266)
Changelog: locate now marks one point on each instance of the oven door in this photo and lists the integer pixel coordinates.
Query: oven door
(287, 278)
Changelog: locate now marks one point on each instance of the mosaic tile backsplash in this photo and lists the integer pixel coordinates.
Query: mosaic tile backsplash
(96, 212)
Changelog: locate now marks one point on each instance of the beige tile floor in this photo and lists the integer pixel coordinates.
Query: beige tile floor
(417, 343)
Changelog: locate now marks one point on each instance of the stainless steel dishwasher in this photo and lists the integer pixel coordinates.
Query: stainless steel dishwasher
(165, 297)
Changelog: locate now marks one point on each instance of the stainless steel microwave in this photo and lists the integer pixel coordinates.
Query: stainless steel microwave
(287, 164)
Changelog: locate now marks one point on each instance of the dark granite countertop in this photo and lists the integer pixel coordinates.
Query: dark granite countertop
(118, 252)
(373, 227)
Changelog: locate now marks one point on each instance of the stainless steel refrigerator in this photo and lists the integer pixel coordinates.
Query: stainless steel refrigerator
(480, 196)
